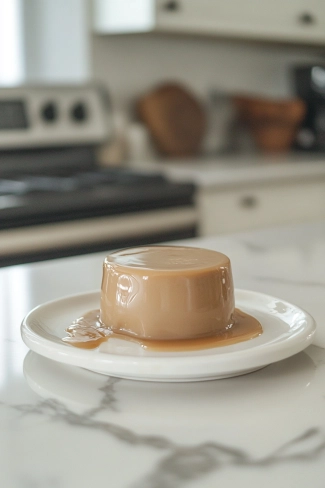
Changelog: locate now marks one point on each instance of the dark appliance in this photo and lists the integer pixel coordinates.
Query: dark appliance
(309, 85)
(56, 200)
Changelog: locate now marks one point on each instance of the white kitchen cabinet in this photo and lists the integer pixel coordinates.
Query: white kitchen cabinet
(282, 20)
(251, 207)
(123, 16)
(300, 21)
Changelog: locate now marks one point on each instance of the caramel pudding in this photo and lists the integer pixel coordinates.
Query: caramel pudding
(167, 293)
(167, 298)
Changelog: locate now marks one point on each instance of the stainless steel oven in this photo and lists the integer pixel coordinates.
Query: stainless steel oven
(56, 200)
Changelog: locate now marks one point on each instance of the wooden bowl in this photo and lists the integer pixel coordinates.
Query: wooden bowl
(273, 123)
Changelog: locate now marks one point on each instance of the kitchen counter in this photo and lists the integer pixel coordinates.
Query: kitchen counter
(65, 427)
(223, 171)
(241, 193)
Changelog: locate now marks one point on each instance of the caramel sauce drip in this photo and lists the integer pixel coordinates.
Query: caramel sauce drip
(87, 332)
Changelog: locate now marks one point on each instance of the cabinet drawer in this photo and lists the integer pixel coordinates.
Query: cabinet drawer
(251, 208)
(291, 20)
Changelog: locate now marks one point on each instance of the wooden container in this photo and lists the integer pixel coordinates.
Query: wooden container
(175, 119)
(273, 123)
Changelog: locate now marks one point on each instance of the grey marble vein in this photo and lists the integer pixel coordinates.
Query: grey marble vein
(305, 447)
(187, 464)
(108, 402)
(253, 247)
(180, 464)
(56, 411)
(183, 465)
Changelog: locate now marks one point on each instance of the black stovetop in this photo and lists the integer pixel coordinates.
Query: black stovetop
(61, 194)
(71, 180)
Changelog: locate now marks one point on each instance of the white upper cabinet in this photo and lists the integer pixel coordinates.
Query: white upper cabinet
(300, 21)
(123, 16)
(281, 20)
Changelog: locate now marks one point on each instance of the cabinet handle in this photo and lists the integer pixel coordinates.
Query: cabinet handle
(307, 18)
(248, 202)
(172, 6)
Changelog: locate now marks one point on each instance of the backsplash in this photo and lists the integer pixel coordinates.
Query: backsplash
(131, 64)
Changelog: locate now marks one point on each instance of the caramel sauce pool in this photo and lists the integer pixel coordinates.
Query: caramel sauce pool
(87, 332)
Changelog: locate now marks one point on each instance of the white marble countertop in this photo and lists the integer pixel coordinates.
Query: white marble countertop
(65, 427)
(224, 171)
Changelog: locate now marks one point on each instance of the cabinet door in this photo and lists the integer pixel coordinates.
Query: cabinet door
(123, 16)
(251, 208)
(286, 20)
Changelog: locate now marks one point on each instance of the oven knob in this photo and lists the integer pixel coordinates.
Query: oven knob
(49, 112)
(79, 112)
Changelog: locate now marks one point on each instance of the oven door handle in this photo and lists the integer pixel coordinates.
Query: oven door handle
(67, 234)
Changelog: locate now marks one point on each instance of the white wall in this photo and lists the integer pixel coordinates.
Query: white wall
(56, 41)
(11, 44)
(131, 64)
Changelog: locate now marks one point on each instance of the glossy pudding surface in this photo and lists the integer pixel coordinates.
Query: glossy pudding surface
(167, 293)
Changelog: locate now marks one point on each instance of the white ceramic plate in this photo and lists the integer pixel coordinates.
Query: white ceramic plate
(287, 330)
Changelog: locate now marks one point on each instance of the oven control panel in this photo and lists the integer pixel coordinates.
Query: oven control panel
(51, 116)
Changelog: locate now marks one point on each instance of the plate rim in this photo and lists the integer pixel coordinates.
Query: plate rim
(100, 361)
